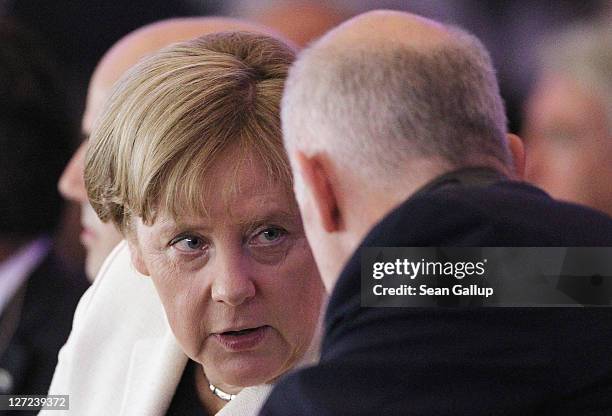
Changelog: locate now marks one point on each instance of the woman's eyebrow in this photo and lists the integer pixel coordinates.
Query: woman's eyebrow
(171, 227)
(276, 215)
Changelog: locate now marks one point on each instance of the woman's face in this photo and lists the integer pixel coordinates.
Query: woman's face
(239, 286)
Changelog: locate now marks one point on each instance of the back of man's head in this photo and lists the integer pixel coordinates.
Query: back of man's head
(377, 108)
(381, 92)
(36, 133)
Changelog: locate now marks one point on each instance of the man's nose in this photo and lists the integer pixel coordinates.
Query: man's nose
(71, 184)
(232, 282)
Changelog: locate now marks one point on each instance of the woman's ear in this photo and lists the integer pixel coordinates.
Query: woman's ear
(518, 154)
(319, 187)
(136, 254)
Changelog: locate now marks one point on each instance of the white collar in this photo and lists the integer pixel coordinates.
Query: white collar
(16, 269)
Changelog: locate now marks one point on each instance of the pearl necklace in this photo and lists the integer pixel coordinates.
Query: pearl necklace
(220, 393)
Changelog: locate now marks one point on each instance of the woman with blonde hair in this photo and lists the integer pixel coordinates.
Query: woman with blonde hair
(187, 161)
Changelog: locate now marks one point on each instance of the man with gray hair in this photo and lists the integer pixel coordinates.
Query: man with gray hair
(397, 138)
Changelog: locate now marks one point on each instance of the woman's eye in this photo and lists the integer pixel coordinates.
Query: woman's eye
(188, 243)
(269, 236)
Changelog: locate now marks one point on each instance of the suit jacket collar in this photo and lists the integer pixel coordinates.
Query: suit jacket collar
(345, 299)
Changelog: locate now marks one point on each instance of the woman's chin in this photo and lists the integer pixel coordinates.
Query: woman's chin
(245, 371)
(234, 364)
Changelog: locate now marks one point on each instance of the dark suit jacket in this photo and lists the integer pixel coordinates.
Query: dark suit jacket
(462, 361)
(50, 298)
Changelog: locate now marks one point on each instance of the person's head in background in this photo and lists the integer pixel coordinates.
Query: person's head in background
(377, 108)
(568, 119)
(36, 134)
(300, 21)
(100, 238)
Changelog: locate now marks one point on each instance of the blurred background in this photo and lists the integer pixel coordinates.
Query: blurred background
(78, 33)
(554, 64)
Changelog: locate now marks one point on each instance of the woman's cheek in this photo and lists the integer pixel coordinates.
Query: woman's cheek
(171, 285)
(185, 316)
(304, 263)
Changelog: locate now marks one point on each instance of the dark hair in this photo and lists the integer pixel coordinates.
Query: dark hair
(36, 135)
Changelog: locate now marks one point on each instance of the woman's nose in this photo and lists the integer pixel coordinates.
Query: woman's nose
(71, 184)
(232, 284)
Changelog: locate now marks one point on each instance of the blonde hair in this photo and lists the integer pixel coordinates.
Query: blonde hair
(171, 116)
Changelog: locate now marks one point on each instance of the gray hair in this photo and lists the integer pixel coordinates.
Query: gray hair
(384, 107)
(584, 54)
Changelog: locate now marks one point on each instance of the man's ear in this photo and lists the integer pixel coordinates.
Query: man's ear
(136, 255)
(317, 183)
(518, 154)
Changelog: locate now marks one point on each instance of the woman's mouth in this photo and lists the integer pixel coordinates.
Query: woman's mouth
(242, 340)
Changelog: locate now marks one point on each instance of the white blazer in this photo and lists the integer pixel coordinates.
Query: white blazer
(121, 357)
